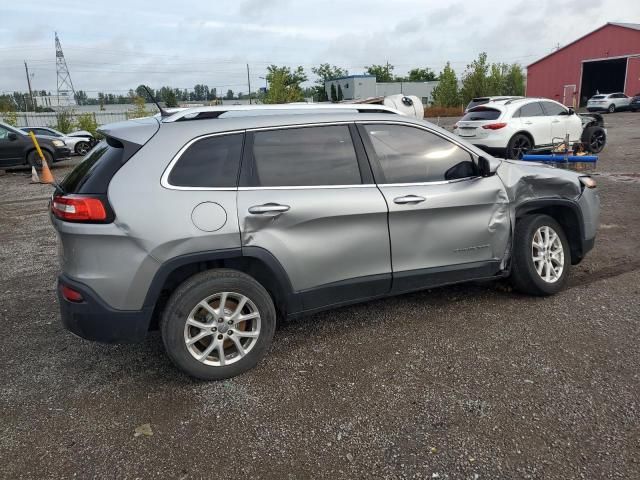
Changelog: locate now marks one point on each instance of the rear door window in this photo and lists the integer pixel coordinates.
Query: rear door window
(531, 110)
(481, 113)
(309, 156)
(211, 162)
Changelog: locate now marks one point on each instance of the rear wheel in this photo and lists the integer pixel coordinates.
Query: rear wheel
(218, 324)
(518, 146)
(594, 138)
(612, 108)
(541, 256)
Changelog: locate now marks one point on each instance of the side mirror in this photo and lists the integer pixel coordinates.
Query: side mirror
(12, 136)
(484, 167)
(571, 111)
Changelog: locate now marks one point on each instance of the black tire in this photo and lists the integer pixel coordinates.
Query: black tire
(612, 108)
(524, 276)
(33, 159)
(519, 145)
(188, 295)
(594, 138)
(82, 148)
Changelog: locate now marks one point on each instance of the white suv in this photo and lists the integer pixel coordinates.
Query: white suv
(516, 126)
(609, 102)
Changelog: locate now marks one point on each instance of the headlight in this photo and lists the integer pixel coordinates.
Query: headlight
(58, 143)
(588, 182)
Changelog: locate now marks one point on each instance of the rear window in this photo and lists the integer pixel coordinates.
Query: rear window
(597, 97)
(482, 113)
(86, 171)
(212, 162)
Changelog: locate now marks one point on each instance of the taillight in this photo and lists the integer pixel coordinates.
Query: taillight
(494, 126)
(70, 294)
(79, 208)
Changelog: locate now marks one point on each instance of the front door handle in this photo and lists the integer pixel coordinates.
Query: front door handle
(268, 208)
(408, 199)
(528, 123)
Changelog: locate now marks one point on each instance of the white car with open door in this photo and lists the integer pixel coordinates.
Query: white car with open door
(513, 127)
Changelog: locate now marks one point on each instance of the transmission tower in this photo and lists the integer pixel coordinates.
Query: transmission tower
(65, 85)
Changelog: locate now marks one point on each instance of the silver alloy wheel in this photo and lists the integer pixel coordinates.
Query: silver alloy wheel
(548, 254)
(222, 329)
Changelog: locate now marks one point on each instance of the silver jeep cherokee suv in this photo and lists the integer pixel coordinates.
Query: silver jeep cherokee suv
(210, 223)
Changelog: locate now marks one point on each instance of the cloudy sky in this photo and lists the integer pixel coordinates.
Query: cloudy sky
(116, 45)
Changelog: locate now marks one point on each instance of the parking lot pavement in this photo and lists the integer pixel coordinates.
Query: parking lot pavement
(471, 381)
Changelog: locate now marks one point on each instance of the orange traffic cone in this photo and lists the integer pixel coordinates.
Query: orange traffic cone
(46, 173)
(34, 175)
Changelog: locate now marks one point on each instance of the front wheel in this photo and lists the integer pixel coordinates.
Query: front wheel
(34, 160)
(218, 324)
(612, 108)
(541, 256)
(82, 148)
(594, 138)
(518, 146)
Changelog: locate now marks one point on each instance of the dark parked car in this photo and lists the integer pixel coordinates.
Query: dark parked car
(635, 103)
(16, 148)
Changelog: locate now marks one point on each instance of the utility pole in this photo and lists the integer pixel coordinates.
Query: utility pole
(387, 69)
(249, 83)
(26, 69)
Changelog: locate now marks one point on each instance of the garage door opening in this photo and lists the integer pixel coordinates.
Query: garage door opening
(603, 76)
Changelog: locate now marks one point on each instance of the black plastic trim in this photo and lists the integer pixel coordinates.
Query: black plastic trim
(345, 291)
(94, 320)
(411, 280)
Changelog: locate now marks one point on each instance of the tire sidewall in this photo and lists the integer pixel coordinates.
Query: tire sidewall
(524, 259)
(512, 142)
(612, 108)
(77, 147)
(194, 290)
(588, 133)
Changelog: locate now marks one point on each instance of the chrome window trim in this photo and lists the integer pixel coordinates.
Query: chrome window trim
(308, 187)
(164, 180)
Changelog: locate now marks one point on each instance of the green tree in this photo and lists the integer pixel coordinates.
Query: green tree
(474, 79)
(64, 121)
(139, 108)
(284, 84)
(446, 93)
(419, 75)
(141, 92)
(383, 73)
(325, 72)
(496, 80)
(334, 94)
(340, 94)
(81, 97)
(229, 95)
(87, 121)
(514, 80)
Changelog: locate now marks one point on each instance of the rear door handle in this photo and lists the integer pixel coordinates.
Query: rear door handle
(528, 123)
(268, 208)
(408, 199)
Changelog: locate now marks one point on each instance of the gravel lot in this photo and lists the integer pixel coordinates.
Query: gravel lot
(469, 382)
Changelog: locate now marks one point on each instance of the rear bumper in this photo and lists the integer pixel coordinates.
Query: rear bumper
(93, 319)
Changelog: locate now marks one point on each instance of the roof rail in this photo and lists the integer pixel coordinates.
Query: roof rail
(199, 113)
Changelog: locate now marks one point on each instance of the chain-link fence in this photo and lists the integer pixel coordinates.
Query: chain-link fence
(49, 119)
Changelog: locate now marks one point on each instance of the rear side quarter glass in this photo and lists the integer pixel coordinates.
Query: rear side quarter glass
(211, 162)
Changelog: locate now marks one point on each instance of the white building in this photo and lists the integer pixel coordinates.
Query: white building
(357, 87)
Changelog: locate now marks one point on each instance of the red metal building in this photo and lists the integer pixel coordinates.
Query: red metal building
(606, 60)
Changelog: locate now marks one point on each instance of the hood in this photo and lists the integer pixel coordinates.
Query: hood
(529, 180)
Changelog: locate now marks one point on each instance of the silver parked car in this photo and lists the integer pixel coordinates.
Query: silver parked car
(609, 102)
(212, 222)
(79, 142)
